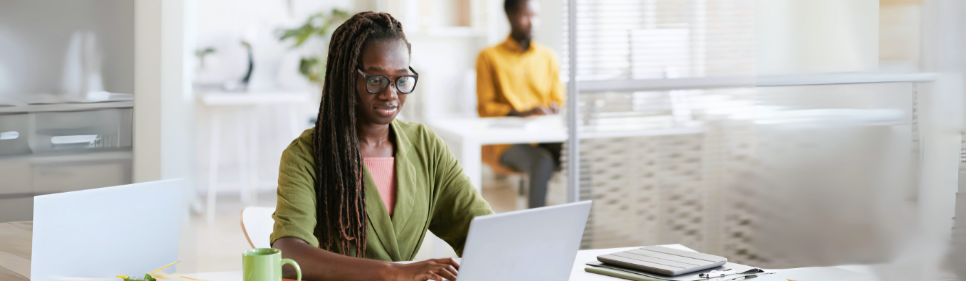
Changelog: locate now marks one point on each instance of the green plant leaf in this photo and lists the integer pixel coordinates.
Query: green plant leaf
(320, 26)
(147, 277)
(312, 68)
(301, 38)
(204, 52)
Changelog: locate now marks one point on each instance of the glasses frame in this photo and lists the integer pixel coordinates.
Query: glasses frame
(415, 77)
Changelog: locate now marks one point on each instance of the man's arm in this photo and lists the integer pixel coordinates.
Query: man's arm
(486, 84)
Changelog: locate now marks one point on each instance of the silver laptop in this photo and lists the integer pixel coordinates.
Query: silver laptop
(99, 233)
(535, 244)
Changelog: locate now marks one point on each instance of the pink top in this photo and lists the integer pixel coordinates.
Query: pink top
(384, 174)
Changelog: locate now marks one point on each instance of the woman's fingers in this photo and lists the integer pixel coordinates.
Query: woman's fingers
(446, 267)
(450, 265)
(435, 269)
(428, 275)
(449, 272)
(452, 262)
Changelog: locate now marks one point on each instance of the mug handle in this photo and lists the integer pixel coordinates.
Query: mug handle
(294, 264)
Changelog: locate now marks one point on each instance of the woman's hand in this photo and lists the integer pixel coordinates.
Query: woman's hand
(434, 269)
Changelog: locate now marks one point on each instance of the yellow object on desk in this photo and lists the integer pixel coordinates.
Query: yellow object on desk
(159, 275)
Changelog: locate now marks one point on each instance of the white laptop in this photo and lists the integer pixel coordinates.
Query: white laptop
(534, 244)
(99, 233)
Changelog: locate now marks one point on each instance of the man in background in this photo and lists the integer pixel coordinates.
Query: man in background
(521, 78)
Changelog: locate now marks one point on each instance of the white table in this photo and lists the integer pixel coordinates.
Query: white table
(467, 136)
(247, 145)
(851, 273)
(577, 272)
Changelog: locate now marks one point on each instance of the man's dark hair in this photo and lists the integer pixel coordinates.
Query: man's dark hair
(339, 188)
(512, 6)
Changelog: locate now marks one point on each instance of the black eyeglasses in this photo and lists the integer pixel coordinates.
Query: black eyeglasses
(376, 83)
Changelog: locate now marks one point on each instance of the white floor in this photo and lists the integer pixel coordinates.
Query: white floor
(218, 247)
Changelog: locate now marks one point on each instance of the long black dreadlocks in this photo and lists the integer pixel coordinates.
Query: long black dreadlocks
(340, 188)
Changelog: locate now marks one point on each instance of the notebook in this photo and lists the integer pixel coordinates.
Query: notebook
(732, 269)
(662, 260)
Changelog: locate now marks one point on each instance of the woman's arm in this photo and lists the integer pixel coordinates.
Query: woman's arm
(319, 264)
(458, 202)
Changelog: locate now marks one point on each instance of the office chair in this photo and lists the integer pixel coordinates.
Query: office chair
(257, 225)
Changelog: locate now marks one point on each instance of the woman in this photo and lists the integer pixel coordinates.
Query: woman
(361, 189)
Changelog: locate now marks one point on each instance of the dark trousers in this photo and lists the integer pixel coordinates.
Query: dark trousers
(539, 162)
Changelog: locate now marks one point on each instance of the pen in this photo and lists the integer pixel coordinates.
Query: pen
(717, 274)
(746, 276)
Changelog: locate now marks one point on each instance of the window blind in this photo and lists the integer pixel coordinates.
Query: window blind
(657, 39)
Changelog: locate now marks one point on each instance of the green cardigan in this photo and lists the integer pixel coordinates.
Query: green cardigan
(432, 194)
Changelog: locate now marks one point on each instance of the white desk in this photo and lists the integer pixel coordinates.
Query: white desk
(577, 273)
(467, 136)
(850, 273)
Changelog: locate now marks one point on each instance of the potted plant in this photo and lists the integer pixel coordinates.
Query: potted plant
(316, 31)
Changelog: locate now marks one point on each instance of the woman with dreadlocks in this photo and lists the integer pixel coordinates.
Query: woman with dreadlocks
(361, 189)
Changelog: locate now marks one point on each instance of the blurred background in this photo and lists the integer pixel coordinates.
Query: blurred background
(779, 133)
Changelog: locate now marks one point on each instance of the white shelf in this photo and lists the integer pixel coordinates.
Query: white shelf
(66, 107)
(666, 84)
(789, 80)
(80, 155)
(50, 102)
(842, 78)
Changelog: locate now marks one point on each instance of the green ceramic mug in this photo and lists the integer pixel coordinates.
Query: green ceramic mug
(265, 264)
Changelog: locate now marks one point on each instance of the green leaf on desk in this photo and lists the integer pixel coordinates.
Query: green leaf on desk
(147, 277)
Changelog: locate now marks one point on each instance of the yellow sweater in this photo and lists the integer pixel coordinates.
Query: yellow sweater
(509, 78)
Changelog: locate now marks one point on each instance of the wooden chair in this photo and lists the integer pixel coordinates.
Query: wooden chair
(257, 225)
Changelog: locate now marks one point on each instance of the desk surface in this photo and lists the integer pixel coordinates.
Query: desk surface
(841, 273)
(578, 272)
(16, 237)
(15, 244)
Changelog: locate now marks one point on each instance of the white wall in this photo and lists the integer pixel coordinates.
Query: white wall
(159, 87)
(551, 28)
(804, 36)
